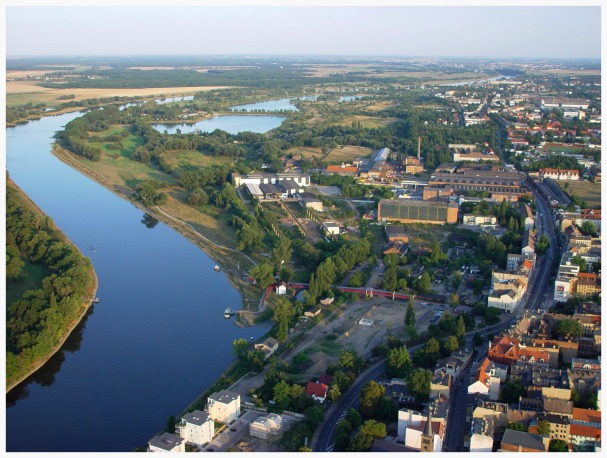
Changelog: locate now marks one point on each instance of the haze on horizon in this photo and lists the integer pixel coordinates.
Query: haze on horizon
(549, 32)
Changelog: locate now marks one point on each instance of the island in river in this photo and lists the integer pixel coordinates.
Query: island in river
(50, 286)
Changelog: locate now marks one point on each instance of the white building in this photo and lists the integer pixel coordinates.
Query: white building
(507, 291)
(196, 427)
(224, 406)
(269, 178)
(167, 442)
(331, 227)
(480, 220)
(266, 426)
(481, 435)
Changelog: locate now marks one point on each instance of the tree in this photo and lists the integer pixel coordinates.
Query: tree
(240, 348)
(263, 274)
(314, 415)
(410, 313)
(456, 279)
(517, 426)
(281, 253)
(460, 329)
(588, 228)
(569, 327)
(370, 398)
(282, 394)
(542, 244)
(557, 445)
(424, 283)
(543, 427)
(398, 363)
(354, 418)
(283, 312)
(419, 383)
(451, 344)
(512, 391)
(390, 279)
(374, 429)
(454, 300)
(334, 392)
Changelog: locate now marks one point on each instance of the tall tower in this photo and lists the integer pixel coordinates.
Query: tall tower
(427, 444)
(419, 148)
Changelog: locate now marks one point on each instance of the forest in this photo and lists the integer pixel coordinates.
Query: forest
(59, 276)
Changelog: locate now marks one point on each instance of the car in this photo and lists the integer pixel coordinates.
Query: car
(210, 449)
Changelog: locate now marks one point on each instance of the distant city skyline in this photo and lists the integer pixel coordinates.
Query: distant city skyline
(527, 32)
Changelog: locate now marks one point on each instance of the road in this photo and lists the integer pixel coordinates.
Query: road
(324, 436)
(540, 282)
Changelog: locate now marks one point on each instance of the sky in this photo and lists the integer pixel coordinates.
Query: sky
(462, 31)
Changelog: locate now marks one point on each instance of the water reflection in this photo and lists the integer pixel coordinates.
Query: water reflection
(45, 376)
(149, 221)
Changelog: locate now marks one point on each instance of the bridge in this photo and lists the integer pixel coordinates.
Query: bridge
(367, 292)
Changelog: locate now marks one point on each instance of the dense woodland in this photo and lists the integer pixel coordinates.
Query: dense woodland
(39, 317)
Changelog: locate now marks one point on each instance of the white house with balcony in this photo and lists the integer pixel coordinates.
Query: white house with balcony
(224, 406)
(167, 442)
(197, 428)
(266, 426)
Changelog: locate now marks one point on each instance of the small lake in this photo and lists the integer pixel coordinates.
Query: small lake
(348, 98)
(232, 124)
(268, 105)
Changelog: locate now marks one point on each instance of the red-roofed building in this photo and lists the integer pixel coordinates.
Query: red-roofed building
(506, 350)
(586, 417)
(318, 391)
(342, 169)
(560, 174)
(584, 438)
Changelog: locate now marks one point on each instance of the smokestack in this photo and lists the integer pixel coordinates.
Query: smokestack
(419, 147)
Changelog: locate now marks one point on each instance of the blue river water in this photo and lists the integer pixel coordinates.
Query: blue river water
(155, 341)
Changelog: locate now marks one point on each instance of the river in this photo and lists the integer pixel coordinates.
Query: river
(155, 341)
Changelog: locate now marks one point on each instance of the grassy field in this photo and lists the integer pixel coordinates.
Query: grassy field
(554, 148)
(380, 106)
(22, 92)
(307, 152)
(367, 122)
(188, 159)
(585, 190)
(347, 154)
(32, 277)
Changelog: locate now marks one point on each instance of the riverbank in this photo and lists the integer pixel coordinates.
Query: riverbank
(90, 292)
(221, 255)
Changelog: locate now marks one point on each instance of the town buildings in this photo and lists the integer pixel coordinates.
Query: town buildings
(224, 406)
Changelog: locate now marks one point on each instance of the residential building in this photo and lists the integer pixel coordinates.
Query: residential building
(281, 288)
(265, 426)
(584, 438)
(472, 153)
(528, 242)
(396, 233)
(310, 201)
(592, 365)
(440, 384)
(166, 442)
(560, 174)
(197, 428)
(592, 216)
(224, 406)
(480, 220)
(559, 426)
(507, 290)
(411, 211)
(527, 216)
(520, 441)
(317, 391)
(587, 284)
(586, 417)
(330, 228)
(268, 347)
